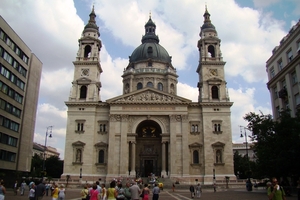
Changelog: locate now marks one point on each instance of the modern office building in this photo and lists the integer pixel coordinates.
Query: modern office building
(19, 89)
(283, 69)
(149, 128)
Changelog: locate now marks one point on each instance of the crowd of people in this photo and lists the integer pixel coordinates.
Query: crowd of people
(116, 191)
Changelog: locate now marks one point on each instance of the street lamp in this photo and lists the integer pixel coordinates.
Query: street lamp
(247, 156)
(48, 131)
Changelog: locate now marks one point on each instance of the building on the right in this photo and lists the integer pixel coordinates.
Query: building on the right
(283, 69)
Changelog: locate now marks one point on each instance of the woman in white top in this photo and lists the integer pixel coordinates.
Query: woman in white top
(32, 192)
(61, 192)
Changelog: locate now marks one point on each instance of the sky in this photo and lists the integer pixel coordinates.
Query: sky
(249, 30)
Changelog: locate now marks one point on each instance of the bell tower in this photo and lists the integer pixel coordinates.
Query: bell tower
(212, 84)
(86, 83)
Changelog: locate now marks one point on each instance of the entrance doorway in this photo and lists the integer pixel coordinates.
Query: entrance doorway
(148, 167)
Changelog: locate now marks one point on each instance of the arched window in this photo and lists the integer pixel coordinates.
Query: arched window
(87, 51)
(211, 51)
(101, 156)
(160, 86)
(196, 128)
(139, 86)
(193, 129)
(150, 84)
(215, 92)
(195, 157)
(83, 91)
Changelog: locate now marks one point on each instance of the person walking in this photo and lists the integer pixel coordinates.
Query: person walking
(32, 192)
(112, 193)
(198, 190)
(16, 188)
(146, 192)
(84, 192)
(23, 185)
(54, 193)
(276, 192)
(127, 192)
(103, 195)
(192, 191)
(2, 190)
(121, 192)
(173, 187)
(155, 192)
(62, 192)
(135, 192)
(40, 190)
(94, 193)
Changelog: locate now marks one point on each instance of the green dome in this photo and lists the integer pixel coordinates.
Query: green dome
(150, 47)
(152, 51)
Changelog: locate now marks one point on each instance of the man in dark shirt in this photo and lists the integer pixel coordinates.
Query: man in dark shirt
(40, 190)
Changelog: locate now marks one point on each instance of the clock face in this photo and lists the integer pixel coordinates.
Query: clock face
(85, 72)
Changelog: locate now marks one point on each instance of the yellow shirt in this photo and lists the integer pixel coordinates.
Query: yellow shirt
(111, 193)
(55, 193)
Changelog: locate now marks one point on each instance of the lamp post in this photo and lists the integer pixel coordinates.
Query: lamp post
(247, 156)
(48, 131)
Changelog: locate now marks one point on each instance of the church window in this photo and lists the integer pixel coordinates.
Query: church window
(160, 86)
(87, 51)
(101, 156)
(139, 86)
(83, 91)
(79, 126)
(214, 92)
(150, 84)
(211, 51)
(150, 50)
(195, 157)
(217, 126)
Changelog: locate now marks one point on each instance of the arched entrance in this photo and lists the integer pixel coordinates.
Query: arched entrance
(148, 149)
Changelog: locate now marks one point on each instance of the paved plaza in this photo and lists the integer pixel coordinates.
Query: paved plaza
(167, 194)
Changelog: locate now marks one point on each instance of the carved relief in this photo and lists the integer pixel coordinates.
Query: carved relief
(124, 118)
(147, 96)
(115, 117)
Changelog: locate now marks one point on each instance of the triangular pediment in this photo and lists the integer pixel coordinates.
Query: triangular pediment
(148, 95)
(101, 144)
(78, 143)
(218, 144)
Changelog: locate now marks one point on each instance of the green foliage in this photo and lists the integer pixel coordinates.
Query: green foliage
(276, 144)
(54, 167)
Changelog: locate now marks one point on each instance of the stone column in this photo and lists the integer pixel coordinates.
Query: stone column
(163, 161)
(133, 172)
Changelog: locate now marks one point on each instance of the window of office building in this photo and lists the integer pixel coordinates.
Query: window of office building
(289, 55)
(294, 78)
(272, 72)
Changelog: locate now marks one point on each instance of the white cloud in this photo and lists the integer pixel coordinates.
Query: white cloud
(264, 3)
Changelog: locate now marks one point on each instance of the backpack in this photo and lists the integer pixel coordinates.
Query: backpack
(88, 196)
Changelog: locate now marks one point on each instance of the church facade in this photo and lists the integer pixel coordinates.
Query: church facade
(149, 128)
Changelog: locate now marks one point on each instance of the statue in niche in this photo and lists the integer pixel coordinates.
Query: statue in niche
(218, 157)
(78, 155)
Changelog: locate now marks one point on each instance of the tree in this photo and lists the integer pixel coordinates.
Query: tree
(276, 144)
(54, 167)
